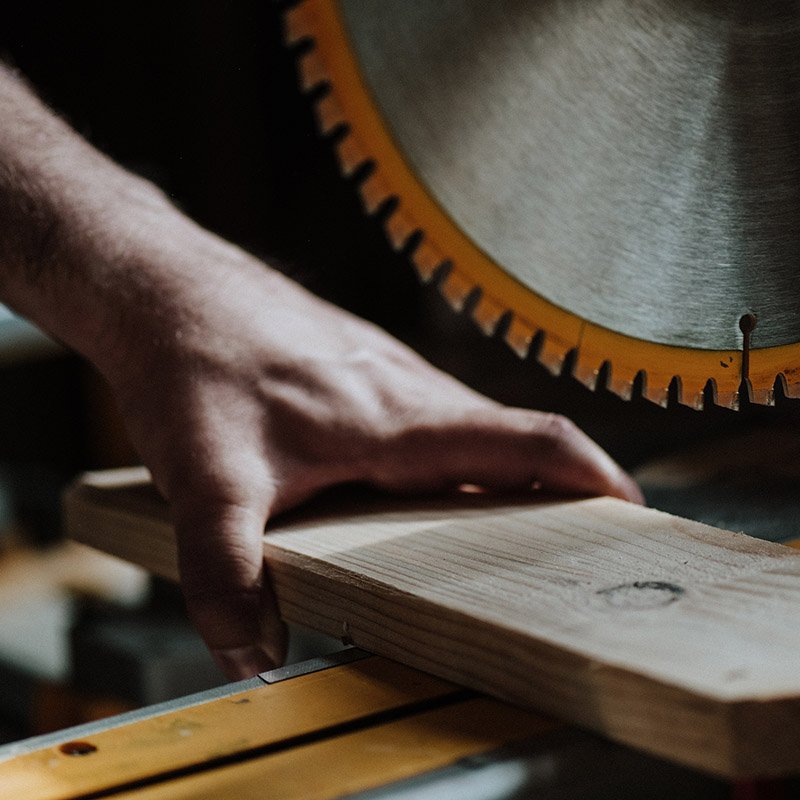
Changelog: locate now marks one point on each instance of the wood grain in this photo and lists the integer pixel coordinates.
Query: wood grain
(666, 634)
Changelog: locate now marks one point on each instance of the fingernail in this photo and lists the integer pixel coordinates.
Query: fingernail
(638, 494)
(631, 489)
(243, 662)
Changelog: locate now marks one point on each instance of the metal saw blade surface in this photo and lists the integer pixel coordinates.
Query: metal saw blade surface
(634, 163)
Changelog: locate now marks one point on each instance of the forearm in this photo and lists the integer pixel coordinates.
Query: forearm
(72, 223)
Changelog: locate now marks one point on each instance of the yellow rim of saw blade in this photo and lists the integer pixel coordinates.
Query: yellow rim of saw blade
(328, 61)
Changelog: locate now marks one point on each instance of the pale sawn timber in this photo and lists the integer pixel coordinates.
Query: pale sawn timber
(674, 637)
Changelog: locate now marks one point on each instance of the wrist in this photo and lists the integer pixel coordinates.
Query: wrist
(71, 259)
(70, 223)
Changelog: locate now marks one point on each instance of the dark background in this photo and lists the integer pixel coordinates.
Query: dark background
(202, 98)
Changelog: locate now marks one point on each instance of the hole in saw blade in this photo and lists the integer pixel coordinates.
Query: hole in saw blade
(747, 322)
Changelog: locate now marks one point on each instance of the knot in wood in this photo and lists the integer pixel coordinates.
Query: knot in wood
(642, 594)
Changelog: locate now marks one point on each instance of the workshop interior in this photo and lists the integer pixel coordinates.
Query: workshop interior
(206, 99)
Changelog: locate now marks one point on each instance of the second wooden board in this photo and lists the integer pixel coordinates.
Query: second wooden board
(669, 635)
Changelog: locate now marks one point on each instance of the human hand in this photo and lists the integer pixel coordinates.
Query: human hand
(246, 395)
(243, 393)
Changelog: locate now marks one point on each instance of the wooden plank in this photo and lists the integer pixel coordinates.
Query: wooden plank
(672, 636)
(250, 720)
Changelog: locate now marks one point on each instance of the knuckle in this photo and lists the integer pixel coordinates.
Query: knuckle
(556, 428)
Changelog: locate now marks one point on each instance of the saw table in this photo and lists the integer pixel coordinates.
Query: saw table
(350, 724)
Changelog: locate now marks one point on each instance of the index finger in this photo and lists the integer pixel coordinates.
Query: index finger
(228, 595)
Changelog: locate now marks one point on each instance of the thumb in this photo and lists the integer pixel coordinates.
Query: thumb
(228, 595)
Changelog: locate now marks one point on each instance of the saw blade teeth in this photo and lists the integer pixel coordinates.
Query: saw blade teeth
(690, 392)
(351, 155)
(728, 394)
(330, 115)
(552, 354)
(763, 396)
(789, 390)
(711, 390)
(587, 373)
(312, 70)
(297, 21)
(456, 289)
(300, 45)
(519, 336)
(338, 133)
(361, 172)
(596, 372)
(655, 391)
(385, 210)
(745, 393)
(487, 314)
(412, 242)
(622, 380)
(560, 341)
(725, 393)
(400, 227)
(427, 260)
(590, 370)
(699, 402)
(696, 401)
(675, 390)
(374, 192)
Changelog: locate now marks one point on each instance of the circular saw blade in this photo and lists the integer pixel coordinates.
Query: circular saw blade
(622, 178)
